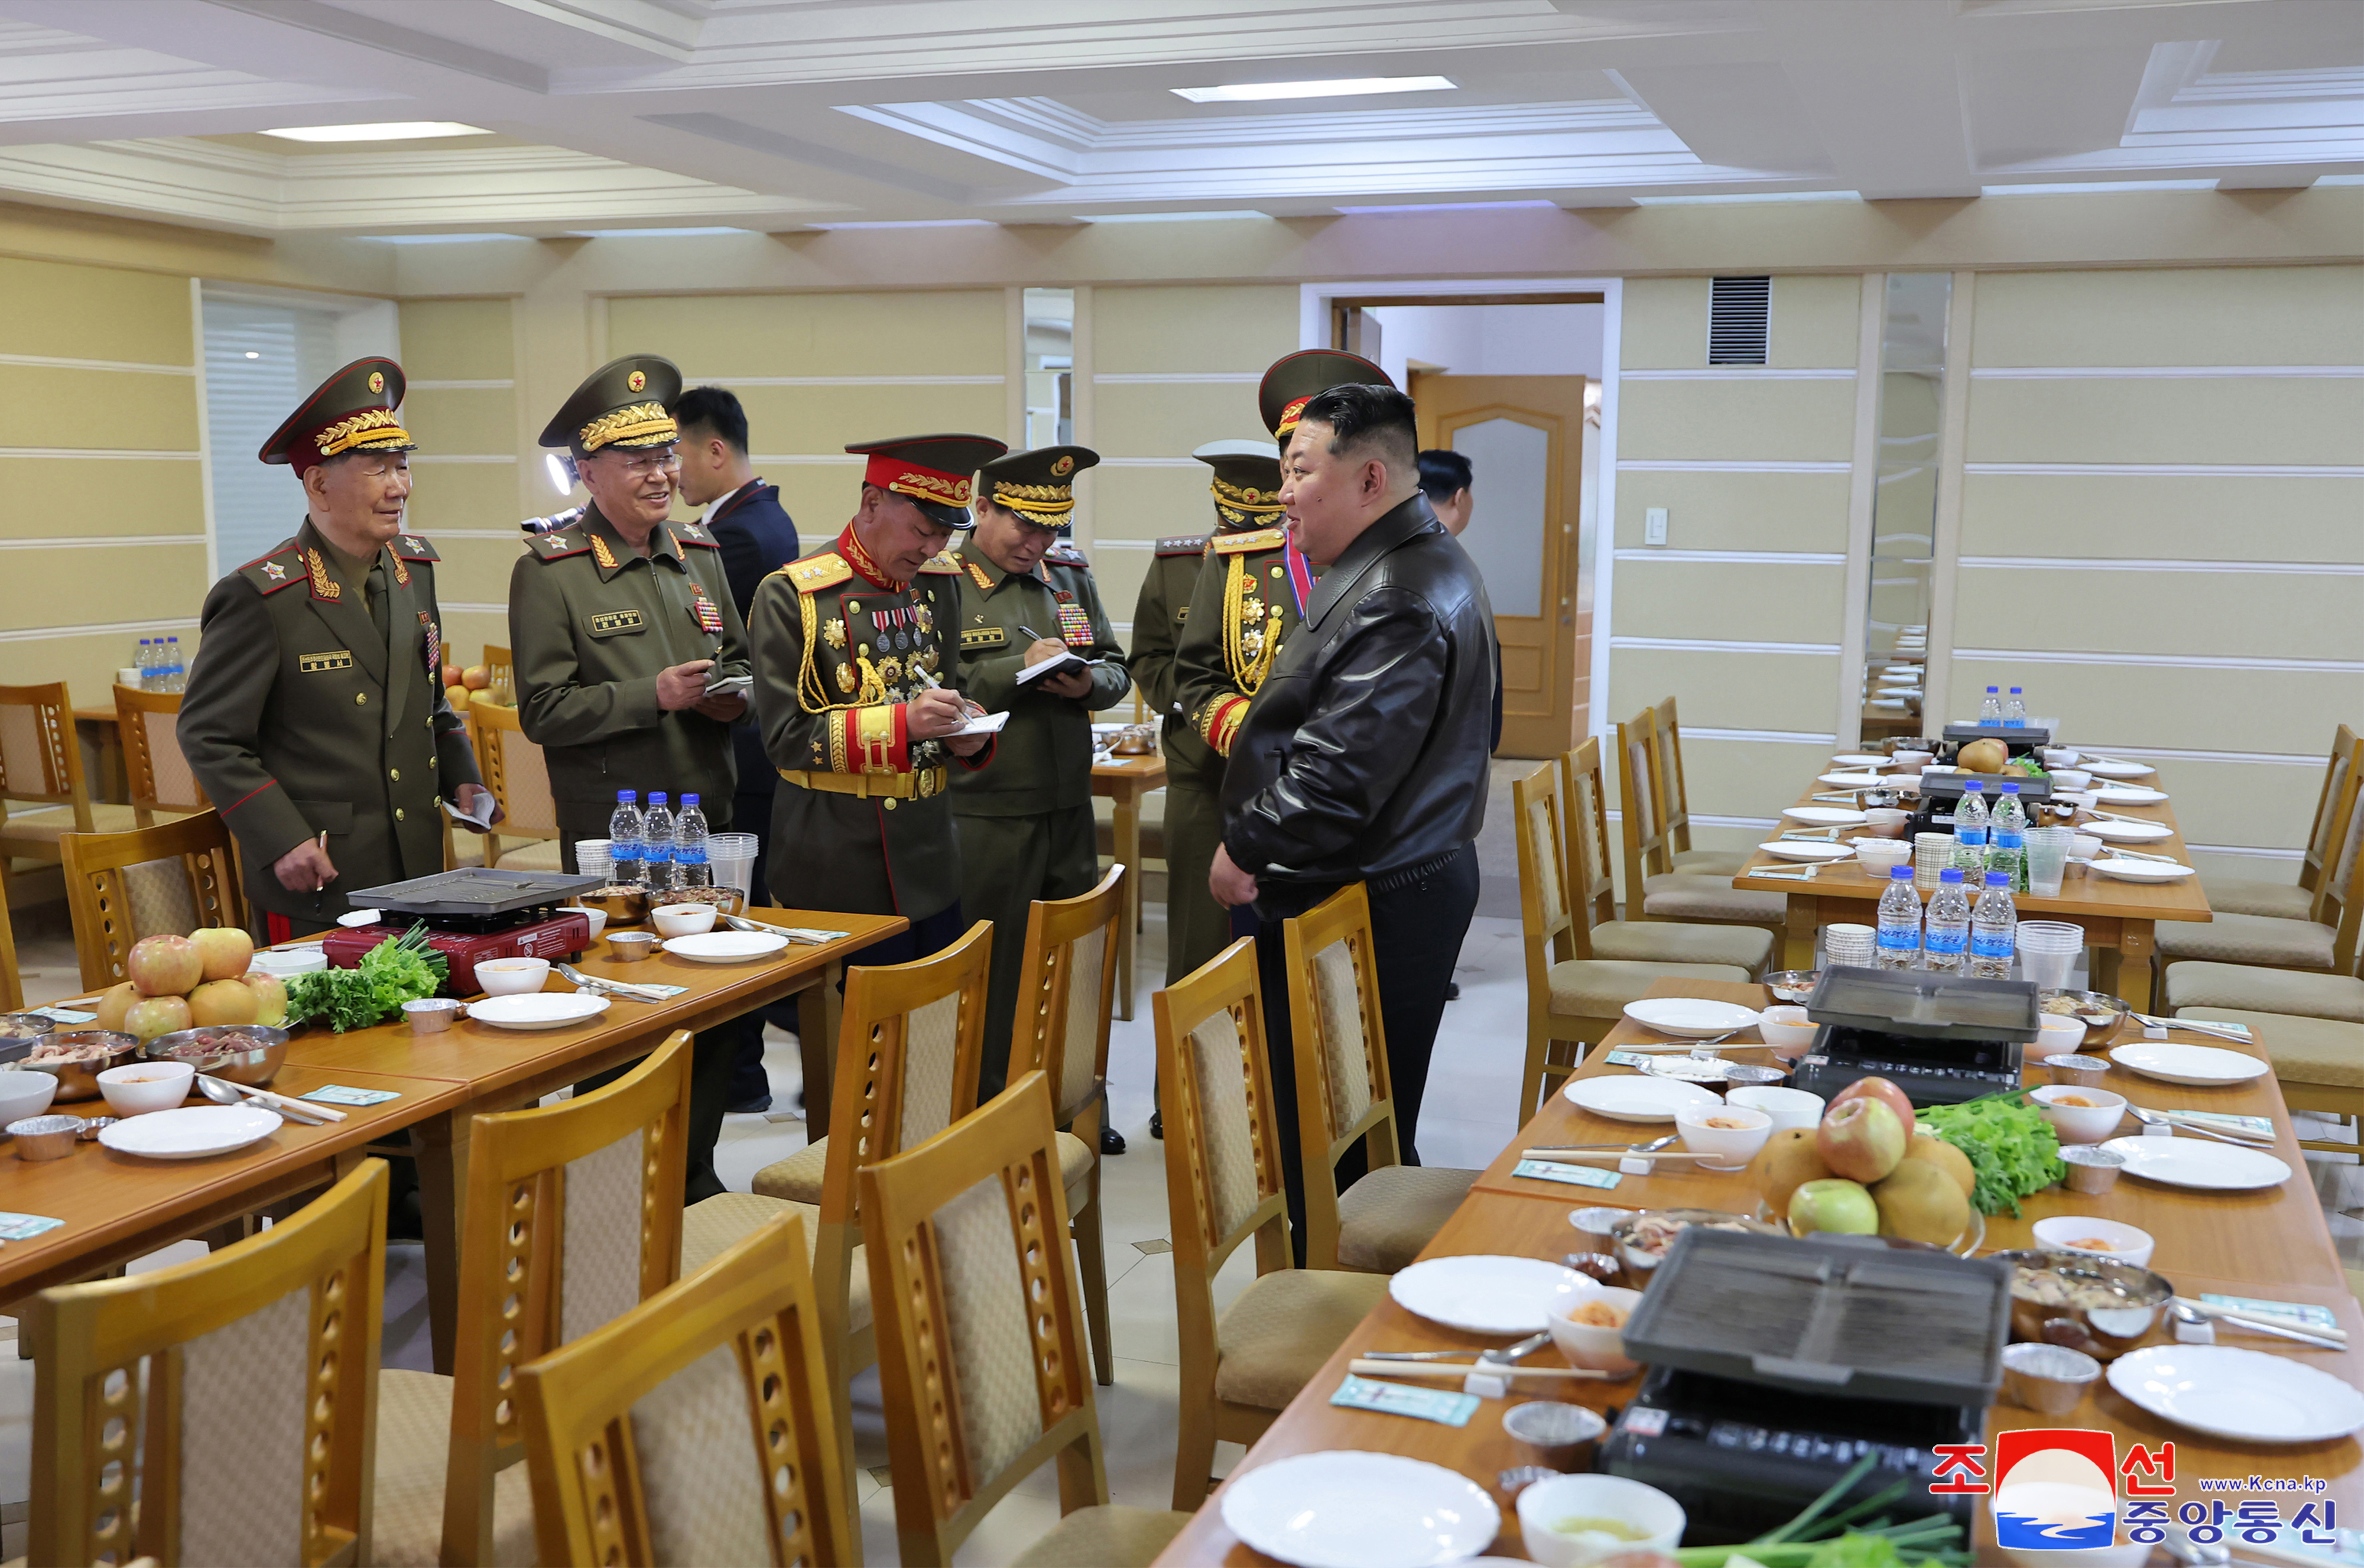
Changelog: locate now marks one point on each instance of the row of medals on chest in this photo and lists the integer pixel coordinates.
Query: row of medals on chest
(902, 646)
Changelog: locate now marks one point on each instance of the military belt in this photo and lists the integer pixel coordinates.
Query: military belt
(895, 787)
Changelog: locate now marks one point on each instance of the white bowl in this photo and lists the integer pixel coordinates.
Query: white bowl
(1787, 1029)
(2059, 757)
(1645, 1508)
(1599, 1350)
(2057, 1036)
(1879, 855)
(2081, 1124)
(138, 1087)
(26, 1094)
(683, 919)
(285, 961)
(2067, 1232)
(1888, 820)
(2070, 778)
(512, 976)
(1731, 1146)
(1787, 1108)
(2085, 846)
(599, 917)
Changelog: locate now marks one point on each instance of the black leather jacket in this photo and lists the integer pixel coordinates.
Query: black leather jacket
(1365, 752)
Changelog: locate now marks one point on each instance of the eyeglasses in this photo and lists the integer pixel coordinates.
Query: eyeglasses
(641, 465)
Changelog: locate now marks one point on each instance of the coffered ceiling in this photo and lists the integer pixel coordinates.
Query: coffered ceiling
(605, 115)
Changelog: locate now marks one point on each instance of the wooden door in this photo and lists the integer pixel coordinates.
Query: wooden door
(1525, 438)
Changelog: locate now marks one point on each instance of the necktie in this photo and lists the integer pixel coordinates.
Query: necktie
(373, 590)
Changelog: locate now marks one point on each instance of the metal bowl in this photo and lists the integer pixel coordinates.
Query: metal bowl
(1793, 985)
(23, 1029)
(2102, 1332)
(79, 1080)
(623, 906)
(2089, 1007)
(1638, 1262)
(726, 900)
(254, 1066)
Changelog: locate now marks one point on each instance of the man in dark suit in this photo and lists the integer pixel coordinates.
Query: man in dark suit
(744, 514)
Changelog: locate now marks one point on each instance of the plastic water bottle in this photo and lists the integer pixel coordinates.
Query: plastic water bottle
(176, 674)
(1994, 929)
(656, 843)
(147, 664)
(1900, 921)
(1990, 710)
(1945, 938)
(626, 863)
(1970, 828)
(2015, 712)
(2007, 839)
(689, 864)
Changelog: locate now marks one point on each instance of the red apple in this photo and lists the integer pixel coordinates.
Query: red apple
(1881, 1089)
(450, 675)
(164, 966)
(225, 950)
(475, 677)
(1862, 1139)
(153, 1015)
(270, 996)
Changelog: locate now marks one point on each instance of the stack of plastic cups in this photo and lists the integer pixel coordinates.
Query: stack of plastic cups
(732, 856)
(2047, 951)
(2047, 858)
(1932, 852)
(591, 858)
(1848, 945)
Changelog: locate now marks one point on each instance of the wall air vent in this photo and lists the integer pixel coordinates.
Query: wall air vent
(1738, 312)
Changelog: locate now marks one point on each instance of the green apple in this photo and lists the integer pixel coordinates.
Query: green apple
(1833, 1205)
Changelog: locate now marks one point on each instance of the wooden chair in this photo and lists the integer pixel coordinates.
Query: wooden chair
(1242, 1367)
(516, 772)
(41, 765)
(1675, 805)
(2335, 808)
(12, 982)
(1592, 895)
(1574, 998)
(1656, 888)
(156, 774)
(697, 1427)
(1344, 1097)
(500, 667)
(983, 1368)
(1068, 987)
(162, 881)
(252, 1439)
(2253, 969)
(908, 1051)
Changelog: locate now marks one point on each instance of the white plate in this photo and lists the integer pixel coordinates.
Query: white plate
(2127, 832)
(2202, 1066)
(2200, 1164)
(2142, 871)
(2127, 794)
(1858, 781)
(1639, 1099)
(1861, 759)
(538, 1009)
(2117, 770)
(1825, 815)
(726, 947)
(1693, 1017)
(1481, 1294)
(190, 1133)
(1807, 850)
(1345, 1508)
(2247, 1396)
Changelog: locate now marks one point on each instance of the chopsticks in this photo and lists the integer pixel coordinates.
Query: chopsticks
(1362, 1368)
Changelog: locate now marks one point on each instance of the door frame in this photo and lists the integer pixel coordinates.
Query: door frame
(1316, 303)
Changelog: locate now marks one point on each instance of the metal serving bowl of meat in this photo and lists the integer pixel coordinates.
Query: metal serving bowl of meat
(625, 903)
(2084, 1301)
(22, 1029)
(243, 1053)
(1642, 1238)
(78, 1057)
(726, 900)
(2100, 1012)
(1792, 985)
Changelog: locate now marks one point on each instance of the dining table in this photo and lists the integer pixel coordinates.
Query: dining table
(2268, 1245)
(1125, 781)
(120, 1206)
(2119, 917)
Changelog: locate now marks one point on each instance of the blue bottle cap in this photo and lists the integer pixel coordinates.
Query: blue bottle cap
(688, 800)
(1993, 690)
(2011, 789)
(627, 796)
(656, 797)
(1951, 873)
(1894, 873)
(1998, 879)
(2015, 691)
(1974, 786)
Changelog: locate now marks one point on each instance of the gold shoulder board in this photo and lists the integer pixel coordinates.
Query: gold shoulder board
(944, 563)
(815, 573)
(1241, 544)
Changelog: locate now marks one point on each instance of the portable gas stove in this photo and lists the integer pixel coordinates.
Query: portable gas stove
(473, 914)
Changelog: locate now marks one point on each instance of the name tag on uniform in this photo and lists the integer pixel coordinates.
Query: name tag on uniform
(315, 664)
(608, 622)
(984, 637)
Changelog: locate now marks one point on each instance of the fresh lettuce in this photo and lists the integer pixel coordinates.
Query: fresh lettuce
(2012, 1149)
(399, 970)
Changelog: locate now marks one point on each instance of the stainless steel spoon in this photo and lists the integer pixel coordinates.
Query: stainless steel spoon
(2184, 1313)
(225, 1094)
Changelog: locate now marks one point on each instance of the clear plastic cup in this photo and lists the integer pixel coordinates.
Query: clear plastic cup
(732, 856)
(1932, 854)
(2047, 951)
(1850, 945)
(591, 857)
(2047, 860)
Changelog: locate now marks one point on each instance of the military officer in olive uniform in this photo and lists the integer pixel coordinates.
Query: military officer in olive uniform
(315, 715)
(856, 692)
(1252, 590)
(619, 623)
(1027, 599)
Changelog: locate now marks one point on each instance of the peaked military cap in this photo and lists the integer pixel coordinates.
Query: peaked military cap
(1297, 378)
(935, 472)
(352, 411)
(621, 404)
(1040, 484)
(1247, 480)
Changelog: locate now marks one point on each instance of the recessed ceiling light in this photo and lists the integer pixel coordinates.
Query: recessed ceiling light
(252, 355)
(1345, 87)
(2083, 187)
(1161, 216)
(390, 131)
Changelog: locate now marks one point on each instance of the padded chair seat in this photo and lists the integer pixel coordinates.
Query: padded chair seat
(45, 825)
(1710, 862)
(1104, 1536)
(796, 1179)
(542, 854)
(1075, 1159)
(1388, 1216)
(2249, 938)
(2245, 895)
(414, 1443)
(1599, 988)
(1659, 941)
(712, 1225)
(1277, 1335)
(1685, 895)
(2278, 991)
(2303, 1050)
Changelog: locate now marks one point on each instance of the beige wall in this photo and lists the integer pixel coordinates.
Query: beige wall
(460, 357)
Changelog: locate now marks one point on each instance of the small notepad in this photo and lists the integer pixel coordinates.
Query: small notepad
(338, 1095)
(1446, 1407)
(2224, 1121)
(2297, 1313)
(25, 1227)
(1573, 1175)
